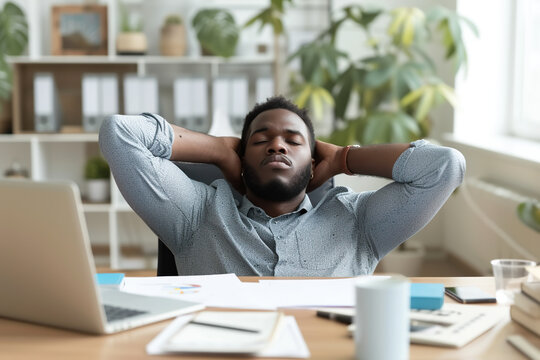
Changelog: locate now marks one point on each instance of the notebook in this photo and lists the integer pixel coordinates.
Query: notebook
(47, 272)
(225, 332)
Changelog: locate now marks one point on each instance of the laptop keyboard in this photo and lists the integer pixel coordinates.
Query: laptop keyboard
(118, 313)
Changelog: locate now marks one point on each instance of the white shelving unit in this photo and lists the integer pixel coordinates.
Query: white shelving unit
(62, 156)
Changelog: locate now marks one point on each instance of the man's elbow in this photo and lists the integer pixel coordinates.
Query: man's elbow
(455, 165)
(107, 132)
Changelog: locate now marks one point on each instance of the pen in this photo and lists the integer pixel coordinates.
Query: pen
(224, 327)
(345, 319)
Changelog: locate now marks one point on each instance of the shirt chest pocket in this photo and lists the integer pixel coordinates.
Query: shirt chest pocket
(321, 250)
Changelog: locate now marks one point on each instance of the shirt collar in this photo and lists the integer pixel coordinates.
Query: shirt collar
(246, 205)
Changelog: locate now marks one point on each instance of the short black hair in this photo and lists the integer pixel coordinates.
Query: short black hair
(276, 102)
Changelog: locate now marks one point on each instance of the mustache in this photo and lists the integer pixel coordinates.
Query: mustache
(277, 157)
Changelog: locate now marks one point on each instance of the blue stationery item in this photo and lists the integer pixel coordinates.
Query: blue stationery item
(427, 296)
(114, 280)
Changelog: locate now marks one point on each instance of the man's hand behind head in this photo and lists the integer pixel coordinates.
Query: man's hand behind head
(327, 163)
(230, 163)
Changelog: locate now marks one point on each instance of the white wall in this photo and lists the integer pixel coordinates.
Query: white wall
(476, 241)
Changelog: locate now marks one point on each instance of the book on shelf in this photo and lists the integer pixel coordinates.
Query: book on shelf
(524, 319)
(532, 289)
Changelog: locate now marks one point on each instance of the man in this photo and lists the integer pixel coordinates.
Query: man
(275, 230)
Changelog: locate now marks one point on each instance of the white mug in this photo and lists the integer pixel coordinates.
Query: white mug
(382, 317)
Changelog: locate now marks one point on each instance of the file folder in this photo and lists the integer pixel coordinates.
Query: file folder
(221, 125)
(182, 102)
(46, 118)
(99, 99)
(239, 102)
(140, 94)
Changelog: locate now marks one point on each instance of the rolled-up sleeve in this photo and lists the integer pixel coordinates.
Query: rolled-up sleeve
(138, 149)
(425, 176)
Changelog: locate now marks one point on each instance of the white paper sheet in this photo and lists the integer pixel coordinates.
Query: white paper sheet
(287, 343)
(309, 293)
(200, 289)
(223, 290)
(227, 291)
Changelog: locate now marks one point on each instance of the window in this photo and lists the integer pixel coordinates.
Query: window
(526, 98)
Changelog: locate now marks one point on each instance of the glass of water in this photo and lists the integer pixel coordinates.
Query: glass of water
(509, 274)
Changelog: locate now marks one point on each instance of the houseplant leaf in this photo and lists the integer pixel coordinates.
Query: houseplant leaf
(388, 126)
(406, 25)
(346, 82)
(13, 30)
(5, 80)
(379, 69)
(217, 31)
(529, 213)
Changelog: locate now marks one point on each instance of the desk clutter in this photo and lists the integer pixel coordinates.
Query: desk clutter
(431, 322)
(227, 291)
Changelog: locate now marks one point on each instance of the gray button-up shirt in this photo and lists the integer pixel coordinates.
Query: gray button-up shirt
(345, 234)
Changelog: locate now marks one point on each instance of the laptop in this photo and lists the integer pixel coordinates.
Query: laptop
(47, 272)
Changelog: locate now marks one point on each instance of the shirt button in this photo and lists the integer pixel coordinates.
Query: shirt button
(279, 237)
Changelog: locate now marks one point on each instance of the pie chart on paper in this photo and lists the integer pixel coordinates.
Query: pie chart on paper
(182, 289)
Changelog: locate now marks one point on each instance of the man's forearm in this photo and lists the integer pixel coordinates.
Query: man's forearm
(193, 146)
(374, 160)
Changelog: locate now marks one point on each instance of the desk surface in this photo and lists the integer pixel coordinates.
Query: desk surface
(325, 339)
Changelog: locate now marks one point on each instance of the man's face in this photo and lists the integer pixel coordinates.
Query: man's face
(277, 163)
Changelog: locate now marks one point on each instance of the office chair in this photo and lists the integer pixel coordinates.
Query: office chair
(207, 173)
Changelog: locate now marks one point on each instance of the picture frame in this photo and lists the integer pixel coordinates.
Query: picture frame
(79, 30)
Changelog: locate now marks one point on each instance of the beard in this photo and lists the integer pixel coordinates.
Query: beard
(275, 190)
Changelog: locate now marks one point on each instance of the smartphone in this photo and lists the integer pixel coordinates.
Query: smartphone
(469, 295)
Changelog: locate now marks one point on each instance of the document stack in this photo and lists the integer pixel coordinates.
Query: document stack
(526, 308)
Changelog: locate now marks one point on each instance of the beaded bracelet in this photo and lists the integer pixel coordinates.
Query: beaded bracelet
(344, 159)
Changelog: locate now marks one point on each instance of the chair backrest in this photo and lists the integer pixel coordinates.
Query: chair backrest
(207, 173)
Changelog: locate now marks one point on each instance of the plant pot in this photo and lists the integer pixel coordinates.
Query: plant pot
(407, 262)
(206, 52)
(97, 190)
(131, 43)
(173, 40)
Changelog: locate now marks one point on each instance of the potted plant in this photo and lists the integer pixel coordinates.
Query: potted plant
(217, 32)
(13, 41)
(173, 37)
(131, 40)
(396, 83)
(97, 176)
(394, 86)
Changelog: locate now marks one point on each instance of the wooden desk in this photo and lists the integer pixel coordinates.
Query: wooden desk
(325, 339)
